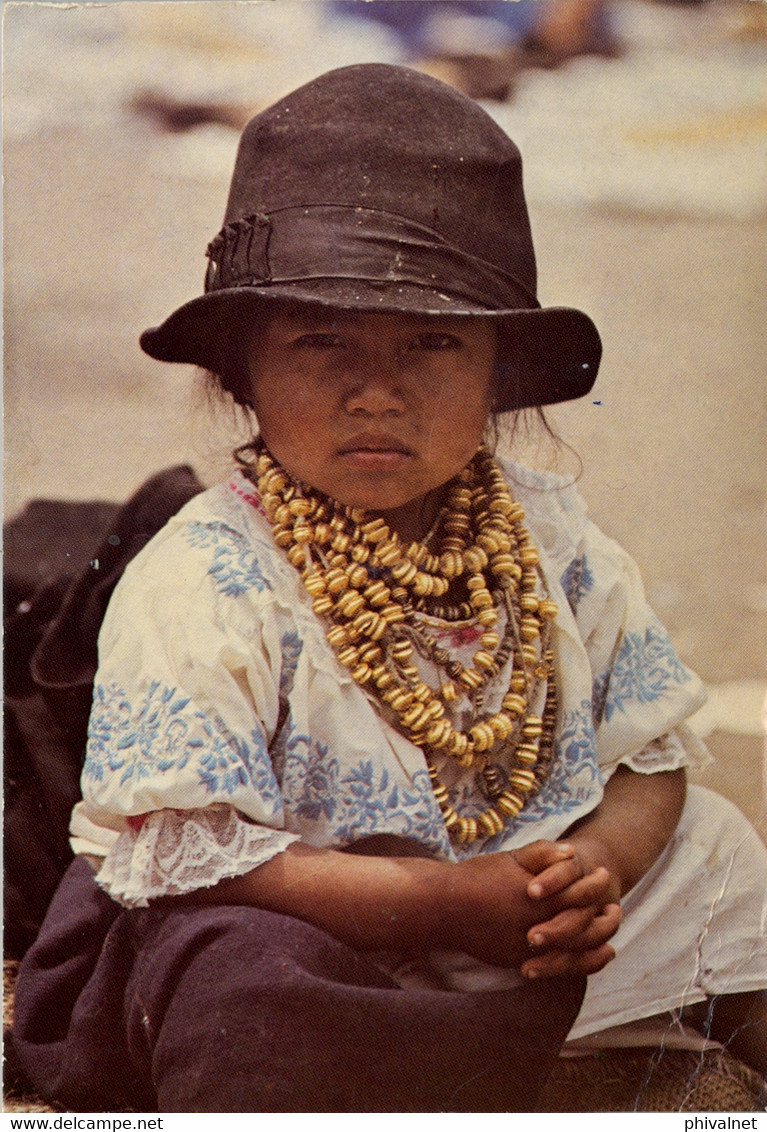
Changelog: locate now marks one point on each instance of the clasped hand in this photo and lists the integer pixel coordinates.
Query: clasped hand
(575, 938)
(545, 909)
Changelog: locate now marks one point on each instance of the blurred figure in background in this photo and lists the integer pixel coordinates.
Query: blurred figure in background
(480, 45)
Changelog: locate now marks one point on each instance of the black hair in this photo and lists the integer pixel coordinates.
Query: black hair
(234, 379)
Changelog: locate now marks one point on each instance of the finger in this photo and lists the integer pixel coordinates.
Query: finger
(557, 963)
(597, 887)
(538, 855)
(602, 927)
(562, 930)
(555, 878)
(592, 961)
(576, 930)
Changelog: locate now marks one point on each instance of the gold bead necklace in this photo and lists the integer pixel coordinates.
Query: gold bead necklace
(368, 589)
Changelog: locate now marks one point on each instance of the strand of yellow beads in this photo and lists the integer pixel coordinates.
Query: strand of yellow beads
(368, 588)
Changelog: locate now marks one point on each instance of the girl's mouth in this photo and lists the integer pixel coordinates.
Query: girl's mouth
(375, 452)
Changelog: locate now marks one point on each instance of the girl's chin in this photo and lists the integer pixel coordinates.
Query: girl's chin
(375, 492)
(397, 509)
(381, 505)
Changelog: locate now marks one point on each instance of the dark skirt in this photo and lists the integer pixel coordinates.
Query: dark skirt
(235, 1009)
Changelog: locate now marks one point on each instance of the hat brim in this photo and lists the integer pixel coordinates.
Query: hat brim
(548, 355)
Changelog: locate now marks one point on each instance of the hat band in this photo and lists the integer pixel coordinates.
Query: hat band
(297, 244)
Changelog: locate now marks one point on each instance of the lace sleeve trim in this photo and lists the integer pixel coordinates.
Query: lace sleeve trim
(175, 851)
(680, 748)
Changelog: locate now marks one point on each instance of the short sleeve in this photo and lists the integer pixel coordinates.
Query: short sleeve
(641, 691)
(186, 698)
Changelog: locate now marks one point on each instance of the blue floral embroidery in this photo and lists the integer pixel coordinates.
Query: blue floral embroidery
(227, 762)
(161, 735)
(577, 581)
(310, 779)
(360, 802)
(645, 667)
(574, 768)
(137, 743)
(110, 713)
(235, 568)
(368, 800)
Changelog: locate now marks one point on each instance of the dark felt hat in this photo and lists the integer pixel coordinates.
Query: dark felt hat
(375, 187)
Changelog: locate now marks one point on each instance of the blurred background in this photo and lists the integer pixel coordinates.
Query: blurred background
(643, 125)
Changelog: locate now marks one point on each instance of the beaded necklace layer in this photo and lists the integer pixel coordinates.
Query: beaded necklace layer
(368, 589)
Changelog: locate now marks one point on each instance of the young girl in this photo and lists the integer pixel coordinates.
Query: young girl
(384, 734)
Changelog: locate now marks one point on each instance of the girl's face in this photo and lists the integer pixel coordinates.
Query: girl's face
(376, 410)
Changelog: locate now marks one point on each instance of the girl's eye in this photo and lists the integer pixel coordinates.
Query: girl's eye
(318, 341)
(435, 341)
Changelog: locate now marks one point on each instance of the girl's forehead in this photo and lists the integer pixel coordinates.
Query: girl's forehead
(309, 315)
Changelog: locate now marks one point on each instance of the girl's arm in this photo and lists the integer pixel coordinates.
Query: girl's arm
(626, 833)
(632, 825)
(480, 906)
(619, 840)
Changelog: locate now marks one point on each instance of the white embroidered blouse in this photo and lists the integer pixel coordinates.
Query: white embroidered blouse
(224, 728)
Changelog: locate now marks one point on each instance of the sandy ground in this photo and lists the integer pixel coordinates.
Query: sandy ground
(107, 218)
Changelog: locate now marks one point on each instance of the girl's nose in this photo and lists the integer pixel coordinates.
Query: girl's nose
(375, 387)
